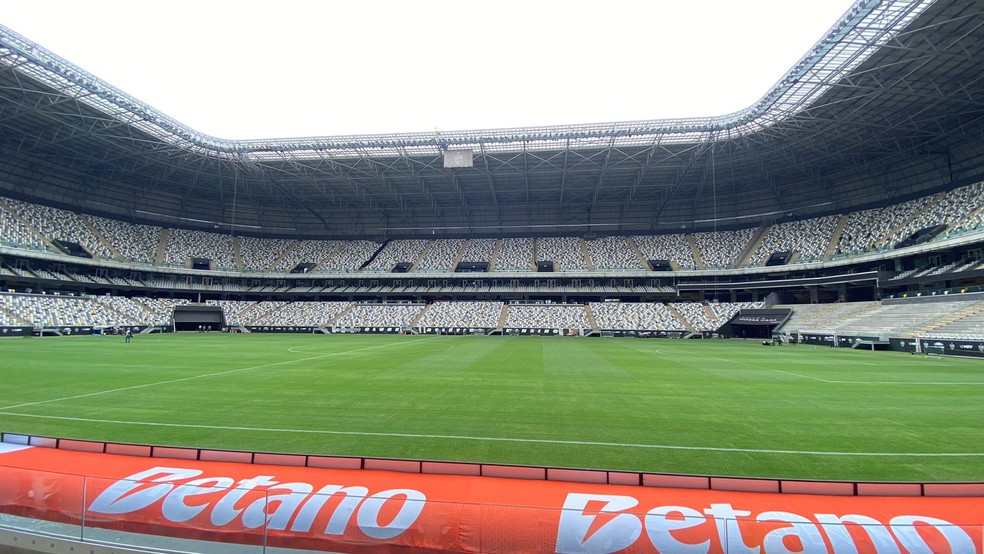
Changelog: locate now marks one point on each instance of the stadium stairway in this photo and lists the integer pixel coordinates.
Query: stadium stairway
(162, 247)
(503, 315)
(835, 238)
(888, 239)
(16, 319)
(458, 256)
(698, 260)
(684, 324)
(421, 256)
(237, 253)
(150, 315)
(753, 245)
(126, 319)
(26, 225)
(293, 246)
(591, 318)
(586, 255)
(335, 252)
(711, 316)
(420, 315)
(494, 258)
(99, 236)
(642, 259)
(341, 314)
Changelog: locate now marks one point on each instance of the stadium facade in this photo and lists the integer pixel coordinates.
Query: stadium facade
(886, 112)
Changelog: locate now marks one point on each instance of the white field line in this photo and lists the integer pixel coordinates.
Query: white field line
(202, 376)
(506, 439)
(841, 382)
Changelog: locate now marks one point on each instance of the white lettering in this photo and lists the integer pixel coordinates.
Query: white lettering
(368, 518)
(615, 534)
(810, 538)
(286, 504)
(125, 496)
(343, 513)
(225, 509)
(177, 510)
(310, 509)
(842, 541)
(658, 527)
(904, 528)
(726, 519)
(276, 506)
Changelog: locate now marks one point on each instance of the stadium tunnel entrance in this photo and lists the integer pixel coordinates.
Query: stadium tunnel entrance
(755, 324)
(197, 317)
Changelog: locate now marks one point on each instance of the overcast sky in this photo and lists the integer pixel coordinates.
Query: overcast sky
(243, 69)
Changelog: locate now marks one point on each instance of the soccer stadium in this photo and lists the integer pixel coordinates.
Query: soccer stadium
(755, 332)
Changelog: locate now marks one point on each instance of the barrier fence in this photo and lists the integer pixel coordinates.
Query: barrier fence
(362, 504)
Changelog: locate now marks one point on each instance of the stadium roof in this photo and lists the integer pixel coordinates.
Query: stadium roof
(888, 105)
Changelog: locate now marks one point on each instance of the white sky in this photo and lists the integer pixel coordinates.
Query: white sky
(246, 69)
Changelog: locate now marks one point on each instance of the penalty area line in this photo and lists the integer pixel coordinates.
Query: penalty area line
(505, 439)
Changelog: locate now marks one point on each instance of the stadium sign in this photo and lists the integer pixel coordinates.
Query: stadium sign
(280, 329)
(368, 510)
(956, 347)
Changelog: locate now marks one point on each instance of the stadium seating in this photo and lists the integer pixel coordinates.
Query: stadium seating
(643, 316)
(546, 316)
(461, 314)
(61, 311)
(184, 244)
(348, 256)
(260, 254)
(57, 224)
(135, 243)
(720, 249)
(311, 314)
(667, 247)
(17, 234)
(565, 252)
(516, 254)
(441, 255)
(30, 226)
(966, 322)
(479, 250)
(613, 253)
(379, 315)
(808, 238)
(396, 252)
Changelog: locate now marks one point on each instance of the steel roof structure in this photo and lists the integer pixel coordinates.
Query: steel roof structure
(889, 105)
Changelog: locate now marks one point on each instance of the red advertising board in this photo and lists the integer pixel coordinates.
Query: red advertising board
(373, 511)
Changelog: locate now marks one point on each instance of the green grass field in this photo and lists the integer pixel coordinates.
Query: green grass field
(701, 407)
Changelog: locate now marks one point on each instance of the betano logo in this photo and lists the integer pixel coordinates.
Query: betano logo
(296, 505)
(603, 524)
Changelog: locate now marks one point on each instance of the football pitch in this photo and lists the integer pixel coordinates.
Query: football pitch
(718, 407)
